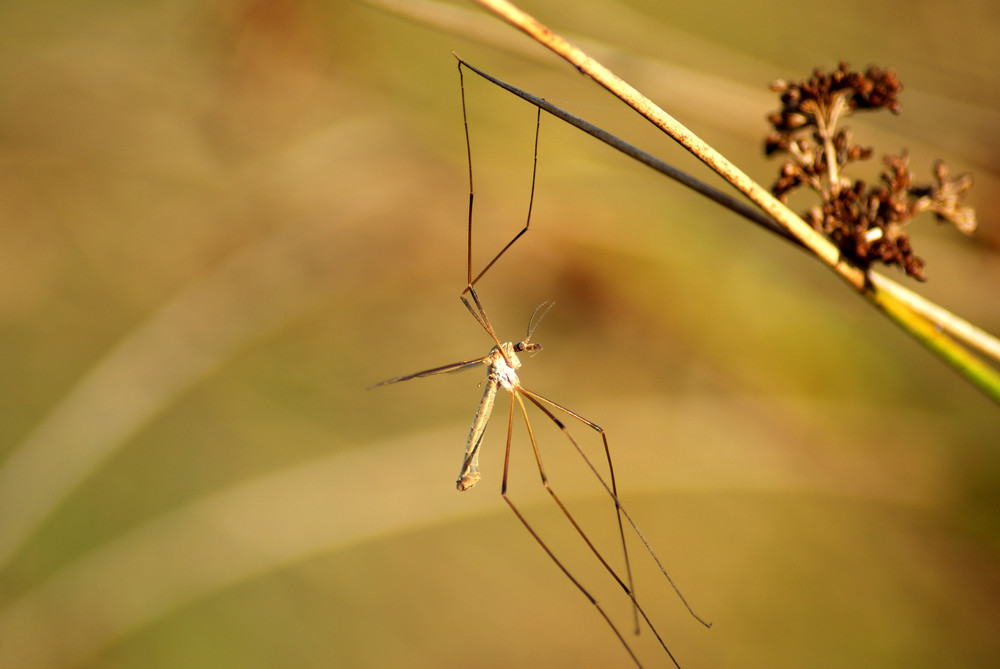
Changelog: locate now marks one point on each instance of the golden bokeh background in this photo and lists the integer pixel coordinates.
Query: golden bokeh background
(220, 222)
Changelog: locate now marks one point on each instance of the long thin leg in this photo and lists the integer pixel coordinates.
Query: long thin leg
(637, 608)
(480, 314)
(468, 156)
(531, 199)
(538, 539)
(618, 508)
(541, 403)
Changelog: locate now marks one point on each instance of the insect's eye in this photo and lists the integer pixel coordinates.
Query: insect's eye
(519, 346)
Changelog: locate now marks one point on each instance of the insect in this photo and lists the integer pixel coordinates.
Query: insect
(502, 364)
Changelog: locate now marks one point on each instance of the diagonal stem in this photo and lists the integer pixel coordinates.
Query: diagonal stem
(918, 322)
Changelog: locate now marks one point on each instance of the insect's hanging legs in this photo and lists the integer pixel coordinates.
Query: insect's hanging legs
(630, 587)
(503, 492)
(636, 607)
(531, 202)
(478, 311)
(543, 404)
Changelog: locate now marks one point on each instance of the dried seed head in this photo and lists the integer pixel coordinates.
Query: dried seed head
(866, 223)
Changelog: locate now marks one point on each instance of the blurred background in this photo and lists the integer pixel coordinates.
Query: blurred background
(220, 222)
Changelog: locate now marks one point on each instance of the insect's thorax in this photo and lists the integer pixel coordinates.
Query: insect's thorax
(504, 373)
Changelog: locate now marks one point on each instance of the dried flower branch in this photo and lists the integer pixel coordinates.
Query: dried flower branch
(866, 224)
(933, 326)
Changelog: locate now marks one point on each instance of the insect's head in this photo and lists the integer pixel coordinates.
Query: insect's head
(525, 345)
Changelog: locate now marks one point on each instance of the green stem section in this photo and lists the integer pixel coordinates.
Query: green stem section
(931, 335)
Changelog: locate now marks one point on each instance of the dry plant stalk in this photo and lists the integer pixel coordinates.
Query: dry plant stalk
(940, 331)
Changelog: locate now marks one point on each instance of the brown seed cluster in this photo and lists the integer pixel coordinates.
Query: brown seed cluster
(866, 223)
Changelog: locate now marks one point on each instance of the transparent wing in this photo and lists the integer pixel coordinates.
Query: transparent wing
(443, 369)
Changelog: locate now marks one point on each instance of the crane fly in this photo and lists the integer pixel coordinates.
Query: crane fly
(502, 364)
